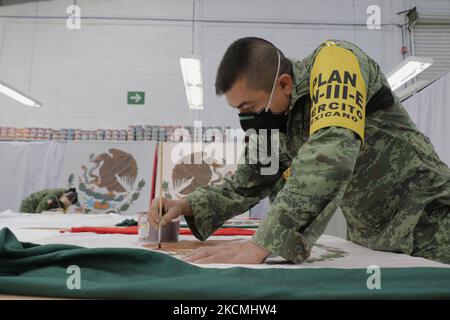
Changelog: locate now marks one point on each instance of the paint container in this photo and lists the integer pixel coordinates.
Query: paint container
(148, 234)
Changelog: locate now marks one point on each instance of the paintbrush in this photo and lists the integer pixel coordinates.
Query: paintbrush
(160, 192)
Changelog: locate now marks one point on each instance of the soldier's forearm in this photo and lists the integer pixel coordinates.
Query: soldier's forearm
(186, 208)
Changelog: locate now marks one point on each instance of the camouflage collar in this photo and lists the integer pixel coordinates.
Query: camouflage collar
(301, 81)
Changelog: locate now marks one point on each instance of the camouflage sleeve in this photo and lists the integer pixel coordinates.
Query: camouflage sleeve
(28, 205)
(319, 176)
(213, 205)
(43, 205)
(53, 195)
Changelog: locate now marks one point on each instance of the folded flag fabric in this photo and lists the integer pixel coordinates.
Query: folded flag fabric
(127, 223)
(134, 230)
(57, 270)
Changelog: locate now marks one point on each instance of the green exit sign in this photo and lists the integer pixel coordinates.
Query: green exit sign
(136, 97)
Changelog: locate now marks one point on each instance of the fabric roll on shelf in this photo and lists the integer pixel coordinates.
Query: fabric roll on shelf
(175, 133)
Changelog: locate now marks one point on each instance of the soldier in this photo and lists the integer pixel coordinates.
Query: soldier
(49, 199)
(345, 140)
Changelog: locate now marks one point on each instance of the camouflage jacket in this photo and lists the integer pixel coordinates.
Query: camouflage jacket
(393, 189)
(37, 202)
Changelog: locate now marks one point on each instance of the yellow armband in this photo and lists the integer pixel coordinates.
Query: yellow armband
(338, 91)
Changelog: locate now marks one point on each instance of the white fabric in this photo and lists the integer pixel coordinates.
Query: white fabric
(27, 167)
(34, 227)
(430, 110)
(9, 218)
(91, 196)
(261, 209)
(351, 254)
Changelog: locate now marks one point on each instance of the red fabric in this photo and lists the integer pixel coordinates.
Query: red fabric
(134, 230)
(224, 232)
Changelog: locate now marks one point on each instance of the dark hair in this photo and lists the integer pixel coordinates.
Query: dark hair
(72, 195)
(254, 58)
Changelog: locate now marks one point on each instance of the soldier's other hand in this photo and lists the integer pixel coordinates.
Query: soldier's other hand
(234, 252)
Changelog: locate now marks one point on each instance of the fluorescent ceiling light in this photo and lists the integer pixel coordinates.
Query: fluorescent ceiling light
(407, 70)
(19, 96)
(412, 89)
(192, 77)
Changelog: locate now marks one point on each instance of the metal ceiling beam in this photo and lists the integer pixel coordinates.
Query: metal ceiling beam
(13, 2)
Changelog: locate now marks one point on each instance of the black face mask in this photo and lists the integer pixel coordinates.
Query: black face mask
(263, 120)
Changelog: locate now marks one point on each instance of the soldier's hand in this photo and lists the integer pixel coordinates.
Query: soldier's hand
(172, 209)
(234, 252)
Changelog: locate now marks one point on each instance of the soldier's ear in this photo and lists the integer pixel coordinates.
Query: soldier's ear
(286, 83)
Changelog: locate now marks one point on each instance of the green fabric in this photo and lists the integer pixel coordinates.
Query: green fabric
(127, 223)
(40, 270)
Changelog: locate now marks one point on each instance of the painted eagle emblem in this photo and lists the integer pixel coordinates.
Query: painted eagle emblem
(117, 171)
(188, 174)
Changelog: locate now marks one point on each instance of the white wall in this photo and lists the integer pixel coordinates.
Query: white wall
(430, 110)
(82, 76)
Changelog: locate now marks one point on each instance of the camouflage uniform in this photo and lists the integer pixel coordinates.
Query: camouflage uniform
(393, 189)
(38, 201)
